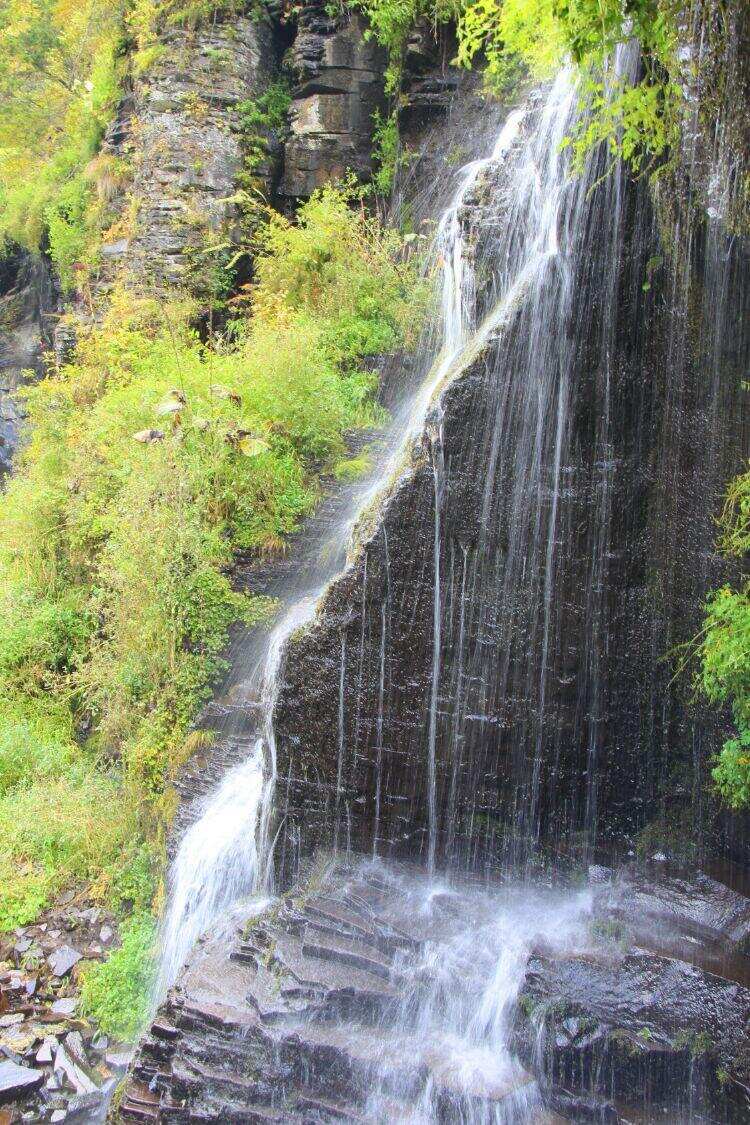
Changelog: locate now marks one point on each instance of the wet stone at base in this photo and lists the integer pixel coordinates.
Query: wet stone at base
(371, 993)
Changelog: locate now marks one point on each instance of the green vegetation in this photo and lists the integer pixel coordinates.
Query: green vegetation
(638, 122)
(61, 69)
(697, 1042)
(152, 457)
(725, 650)
(116, 994)
(385, 144)
(59, 73)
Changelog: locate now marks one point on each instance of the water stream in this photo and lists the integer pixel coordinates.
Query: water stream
(224, 856)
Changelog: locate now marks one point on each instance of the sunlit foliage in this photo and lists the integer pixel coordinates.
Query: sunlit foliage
(152, 457)
(725, 650)
(58, 88)
(638, 121)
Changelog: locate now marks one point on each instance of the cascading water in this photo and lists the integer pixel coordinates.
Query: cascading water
(456, 1001)
(224, 856)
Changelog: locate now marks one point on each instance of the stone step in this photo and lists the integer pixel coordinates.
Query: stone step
(324, 1109)
(387, 941)
(338, 916)
(346, 951)
(328, 974)
(358, 1060)
(139, 1103)
(345, 1059)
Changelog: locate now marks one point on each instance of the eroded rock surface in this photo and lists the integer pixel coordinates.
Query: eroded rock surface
(339, 75)
(345, 1001)
(298, 1018)
(188, 150)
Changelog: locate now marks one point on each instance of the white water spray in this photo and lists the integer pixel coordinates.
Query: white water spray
(226, 855)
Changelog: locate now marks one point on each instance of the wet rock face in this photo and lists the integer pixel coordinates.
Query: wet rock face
(659, 1010)
(350, 999)
(339, 76)
(26, 301)
(188, 150)
(298, 1016)
(566, 571)
(636, 1028)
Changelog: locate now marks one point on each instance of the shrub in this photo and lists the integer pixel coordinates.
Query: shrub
(36, 741)
(725, 651)
(638, 122)
(117, 993)
(59, 80)
(55, 831)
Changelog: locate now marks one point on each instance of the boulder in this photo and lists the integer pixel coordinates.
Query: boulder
(62, 960)
(15, 1081)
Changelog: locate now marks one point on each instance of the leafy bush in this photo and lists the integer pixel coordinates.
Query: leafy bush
(151, 458)
(342, 264)
(55, 831)
(384, 151)
(116, 994)
(36, 741)
(725, 651)
(59, 79)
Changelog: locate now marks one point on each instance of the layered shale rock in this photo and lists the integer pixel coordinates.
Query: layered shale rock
(189, 151)
(300, 1022)
(658, 1012)
(328, 1004)
(339, 86)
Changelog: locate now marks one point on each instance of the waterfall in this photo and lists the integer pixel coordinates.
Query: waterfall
(456, 1001)
(225, 855)
(435, 726)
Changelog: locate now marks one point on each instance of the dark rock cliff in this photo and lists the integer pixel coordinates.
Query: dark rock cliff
(27, 303)
(180, 133)
(656, 425)
(339, 86)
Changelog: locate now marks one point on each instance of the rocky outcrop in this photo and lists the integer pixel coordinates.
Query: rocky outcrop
(552, 688)
(329, 1006)
(339, 85)
(301, 1021)
(27, 303)
(54, 1064)
(188, 151)
(658, 1012)
(627, 1029)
